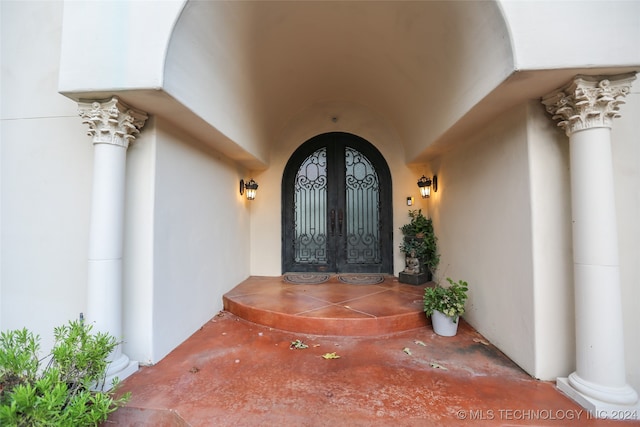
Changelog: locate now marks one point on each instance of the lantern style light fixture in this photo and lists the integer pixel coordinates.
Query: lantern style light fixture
(250, 187)
(425, 184)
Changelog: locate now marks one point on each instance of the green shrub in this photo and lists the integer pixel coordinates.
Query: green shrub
(420, 239)
(64, 391)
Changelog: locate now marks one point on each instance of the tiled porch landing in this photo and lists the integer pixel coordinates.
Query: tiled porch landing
(330, 308)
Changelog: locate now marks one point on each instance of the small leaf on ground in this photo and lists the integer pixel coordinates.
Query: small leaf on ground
(330, 356)
(406, 350)
(420, 343)
(438, 366)
(298, 344)
(194, 370)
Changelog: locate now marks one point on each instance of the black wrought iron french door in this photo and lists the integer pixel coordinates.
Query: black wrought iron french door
(337, 207)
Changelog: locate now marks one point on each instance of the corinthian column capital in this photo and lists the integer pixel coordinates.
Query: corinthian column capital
(588, 101)
(111, 122)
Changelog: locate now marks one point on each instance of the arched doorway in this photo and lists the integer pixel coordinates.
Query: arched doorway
(337, 215)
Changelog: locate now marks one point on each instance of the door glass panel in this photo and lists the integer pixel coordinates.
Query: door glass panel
(361, 210)
(310, 210)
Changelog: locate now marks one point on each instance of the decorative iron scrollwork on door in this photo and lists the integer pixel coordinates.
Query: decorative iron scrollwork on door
(337, 213)
(362, 209)
(310, 207)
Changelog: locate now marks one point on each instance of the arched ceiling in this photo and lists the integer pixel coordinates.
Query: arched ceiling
(255, 65)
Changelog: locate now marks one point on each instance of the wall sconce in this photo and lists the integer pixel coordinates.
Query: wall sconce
(425, 185)
(250, 187)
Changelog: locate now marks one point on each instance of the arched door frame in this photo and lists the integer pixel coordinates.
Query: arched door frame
(385, 195)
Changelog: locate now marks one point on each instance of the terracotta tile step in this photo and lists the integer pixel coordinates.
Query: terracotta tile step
(329, 308)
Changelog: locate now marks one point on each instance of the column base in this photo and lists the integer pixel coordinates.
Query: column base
(128, 370)
(598, 408)
(120, 369)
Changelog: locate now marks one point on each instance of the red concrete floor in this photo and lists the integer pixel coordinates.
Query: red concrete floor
(233, 372)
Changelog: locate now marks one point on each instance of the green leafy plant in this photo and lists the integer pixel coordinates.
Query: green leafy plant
(420, 240)
(60, 389)
(449, 300)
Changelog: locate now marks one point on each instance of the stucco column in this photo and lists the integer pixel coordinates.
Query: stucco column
(585, 109)
(113, 126)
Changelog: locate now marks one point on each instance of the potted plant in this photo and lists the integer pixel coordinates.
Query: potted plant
(419, 245)
(445, 306)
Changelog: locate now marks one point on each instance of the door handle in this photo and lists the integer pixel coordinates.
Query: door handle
(340, 218)
(332, 218)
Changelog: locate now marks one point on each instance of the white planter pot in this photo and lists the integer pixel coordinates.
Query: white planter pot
(444, 325)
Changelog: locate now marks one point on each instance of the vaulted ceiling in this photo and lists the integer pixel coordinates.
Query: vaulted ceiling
(421, 65)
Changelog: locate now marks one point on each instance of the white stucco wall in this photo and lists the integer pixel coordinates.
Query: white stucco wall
(138, 260)
(201, 236)
(96, 33)
(209, 68)
(625, 137)
(480, 58)
(548, 152)
(570, 34)
(482, 217)
(46, 177)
